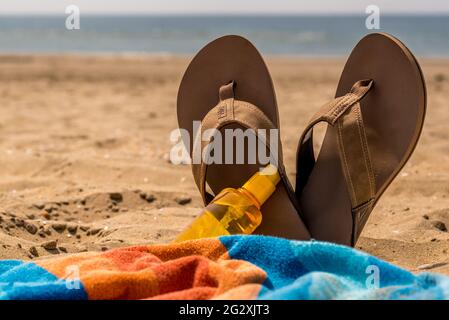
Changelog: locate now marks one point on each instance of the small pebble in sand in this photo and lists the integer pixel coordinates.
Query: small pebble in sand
(50, 208)
(147, 197)
(84, 228)
(59, 227)
(425, 216)
(31, 228)
(47, 231)
(93, 231)
(72, 228)
(39, 206)
(63, 249)
(19, 222)
(50, 245)
(183, 200)
(46, 215)
(439, 225)
(116, 196)
(33, 251)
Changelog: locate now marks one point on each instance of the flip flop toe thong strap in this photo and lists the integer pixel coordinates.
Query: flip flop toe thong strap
(227, 111)
(345, 115)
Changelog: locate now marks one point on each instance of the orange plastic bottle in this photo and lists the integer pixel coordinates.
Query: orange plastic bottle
(235, 211)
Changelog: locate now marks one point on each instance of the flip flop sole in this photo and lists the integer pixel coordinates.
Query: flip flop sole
(233, 58)
(393, 114)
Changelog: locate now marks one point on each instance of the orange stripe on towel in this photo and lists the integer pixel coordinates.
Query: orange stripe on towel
(211, 248)
(118, 274)
(199, 269)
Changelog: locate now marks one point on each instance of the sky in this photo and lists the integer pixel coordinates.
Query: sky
(224, 6)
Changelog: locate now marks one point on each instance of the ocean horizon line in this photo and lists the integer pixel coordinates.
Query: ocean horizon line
(299, 35)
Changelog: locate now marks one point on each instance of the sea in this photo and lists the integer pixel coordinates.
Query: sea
(313, 36)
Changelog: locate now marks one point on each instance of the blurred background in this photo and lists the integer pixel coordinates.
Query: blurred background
(287, 27)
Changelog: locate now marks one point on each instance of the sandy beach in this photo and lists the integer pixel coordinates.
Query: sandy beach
(84, 143)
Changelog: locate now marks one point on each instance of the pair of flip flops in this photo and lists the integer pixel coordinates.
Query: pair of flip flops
(374, 124)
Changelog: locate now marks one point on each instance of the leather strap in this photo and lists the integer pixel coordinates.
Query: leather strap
(344, 113)
(227, 111)
(227, 91)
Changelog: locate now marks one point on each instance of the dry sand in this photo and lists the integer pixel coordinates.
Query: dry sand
(84, 144)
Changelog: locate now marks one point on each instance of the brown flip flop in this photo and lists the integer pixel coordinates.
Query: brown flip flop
(373, 127)
(227, 86)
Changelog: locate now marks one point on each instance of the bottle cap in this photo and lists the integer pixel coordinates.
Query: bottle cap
(263, 183)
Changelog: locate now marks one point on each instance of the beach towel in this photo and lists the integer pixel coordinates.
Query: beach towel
(234, 267)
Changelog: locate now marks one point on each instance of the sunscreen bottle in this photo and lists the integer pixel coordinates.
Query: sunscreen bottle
(235, 211)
